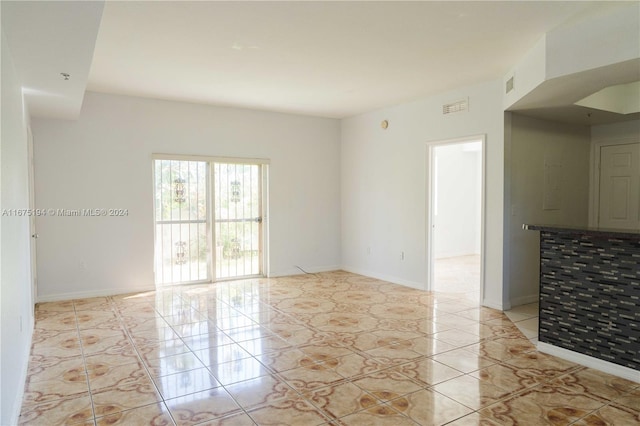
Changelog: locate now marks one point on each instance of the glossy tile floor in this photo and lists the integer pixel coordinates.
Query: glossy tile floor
(458, 274)
(327, 349)
(525, 317)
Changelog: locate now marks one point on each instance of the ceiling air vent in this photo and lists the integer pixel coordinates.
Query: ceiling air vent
(457, 106)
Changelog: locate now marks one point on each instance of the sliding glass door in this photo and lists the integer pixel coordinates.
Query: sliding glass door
(208, 220)
(238, 219)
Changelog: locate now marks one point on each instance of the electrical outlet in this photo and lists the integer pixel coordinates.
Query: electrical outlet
(401, 255)
(82, 265)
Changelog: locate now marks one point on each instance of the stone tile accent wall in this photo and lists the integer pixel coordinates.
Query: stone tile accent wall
(590, 295)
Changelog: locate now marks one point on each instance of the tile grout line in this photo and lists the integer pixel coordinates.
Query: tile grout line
(84, 362)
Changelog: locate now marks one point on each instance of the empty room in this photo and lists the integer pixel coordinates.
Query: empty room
(320, 213)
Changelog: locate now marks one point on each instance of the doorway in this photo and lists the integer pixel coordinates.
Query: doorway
(455, 217)
(208, 220)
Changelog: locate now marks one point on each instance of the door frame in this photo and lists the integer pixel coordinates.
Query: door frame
(32, 219)
(264, 194)
(430, 175)
(594, 173)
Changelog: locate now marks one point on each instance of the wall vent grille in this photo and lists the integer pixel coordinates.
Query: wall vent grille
(457, 106)
(509, 85)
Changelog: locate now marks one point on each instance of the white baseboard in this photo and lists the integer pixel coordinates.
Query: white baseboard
(494, 304)
(93, 293)
(525, 300)
(591, 362)
(391, 279)
(310, 269)
(24, 369)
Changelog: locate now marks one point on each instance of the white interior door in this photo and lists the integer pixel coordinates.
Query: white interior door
(619, 198)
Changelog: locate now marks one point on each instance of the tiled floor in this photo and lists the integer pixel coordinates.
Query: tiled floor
(325, 349)
(459, 274)
(525, 317)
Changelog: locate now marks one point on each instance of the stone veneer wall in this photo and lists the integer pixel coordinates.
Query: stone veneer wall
(590, 295)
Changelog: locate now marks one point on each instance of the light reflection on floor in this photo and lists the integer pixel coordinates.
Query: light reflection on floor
(325, 349)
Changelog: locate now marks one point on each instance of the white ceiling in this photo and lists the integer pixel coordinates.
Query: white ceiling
(331, 59)
(47, 39)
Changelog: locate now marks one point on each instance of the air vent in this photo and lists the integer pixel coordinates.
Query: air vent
(509, 86)
(458, 106)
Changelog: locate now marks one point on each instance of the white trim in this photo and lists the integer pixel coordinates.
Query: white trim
(591, 362)
(389, 278)
(594, 172)
(96, 293)
(311, 270)
(226, 160)
(430, 146)
(24, 370)
(525, 300)
(496, 304)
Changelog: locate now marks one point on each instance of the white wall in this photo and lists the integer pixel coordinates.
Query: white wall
(532, 142)
(598, 38)
(103, 160)
(616, 131)
(15, 258)
(384, 184)
(457, 221)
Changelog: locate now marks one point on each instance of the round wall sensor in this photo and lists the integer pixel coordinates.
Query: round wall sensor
(384, 124)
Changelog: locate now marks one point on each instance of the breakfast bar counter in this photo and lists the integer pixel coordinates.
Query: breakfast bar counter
(590, 295)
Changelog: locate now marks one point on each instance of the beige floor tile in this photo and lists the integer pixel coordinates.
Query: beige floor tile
(427, 372)
(328, 349)
(498, 352)
(260, 391)
(507, 377)
(612, 414)
(311, 377)
(185, 383)
(239, 419)
(95, 344)
(112, 400)
(239, 370)
(53, 368)
(463, 360)
(350, 366)
(149, 415)
(173, 364)
(542, 405)
(58, 388)
(631, 399)
(70, 411)
(125, 356)
(387, 385)
(105, 376)
(288, 411)
(429, 346)
(471, 392)
(457, 337)
(545, 367)
(379, 415)
(341, 400)
(427, 407)
(202, 406)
